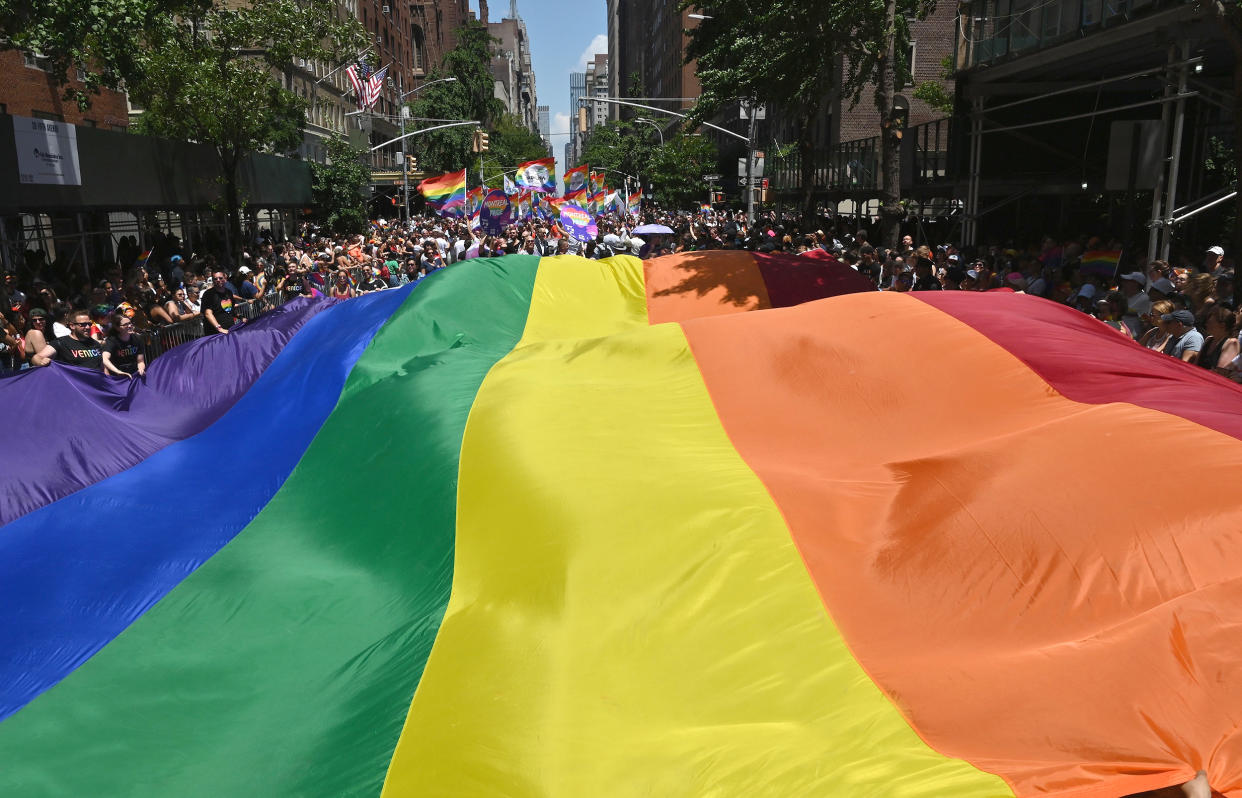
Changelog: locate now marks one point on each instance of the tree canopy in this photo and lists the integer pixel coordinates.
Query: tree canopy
(339, 187)
(674, 169)
(470, 96)
(512, 143)
(202, 70)
(796, 54)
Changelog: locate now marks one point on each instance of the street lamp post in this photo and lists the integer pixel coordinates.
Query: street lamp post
(405, 161)
(750, 166)
(658, 129)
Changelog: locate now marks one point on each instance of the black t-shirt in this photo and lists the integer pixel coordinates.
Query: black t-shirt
(220, 303)
(124, 354)
(86, 353)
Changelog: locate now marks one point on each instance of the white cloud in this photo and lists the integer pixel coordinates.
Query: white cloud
(560, 123)
(598, 45)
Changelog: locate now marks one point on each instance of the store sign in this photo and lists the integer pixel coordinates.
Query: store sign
(47, 152)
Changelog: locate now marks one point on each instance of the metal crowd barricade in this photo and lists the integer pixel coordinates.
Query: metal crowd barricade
(245, 311)
(158, 341)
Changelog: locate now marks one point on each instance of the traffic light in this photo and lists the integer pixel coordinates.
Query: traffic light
(482, 141)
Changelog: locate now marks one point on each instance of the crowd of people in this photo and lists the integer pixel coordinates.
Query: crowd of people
(1184, 309)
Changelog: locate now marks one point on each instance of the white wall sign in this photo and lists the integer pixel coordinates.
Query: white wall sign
(47, 152)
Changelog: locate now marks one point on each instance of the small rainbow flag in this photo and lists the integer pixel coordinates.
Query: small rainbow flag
(576, 180)
(474, 198)
(705, 207)
(447, 192)
(635, 201)
(1100, 261)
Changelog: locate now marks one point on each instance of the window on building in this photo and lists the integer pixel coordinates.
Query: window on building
(416, 47)
(34, 61)
(48, 115)
(910, 54)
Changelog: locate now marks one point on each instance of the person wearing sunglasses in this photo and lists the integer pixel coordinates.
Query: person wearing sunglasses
(36, 333)
(122, 351)
(76, 349)
(217, 305)
(179, 308)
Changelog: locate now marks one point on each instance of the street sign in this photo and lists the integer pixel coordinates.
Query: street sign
(761, 111)
(712, 178)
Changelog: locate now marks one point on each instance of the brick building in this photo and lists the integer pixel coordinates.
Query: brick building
(512, 70)
(411, 39)
(28, 89)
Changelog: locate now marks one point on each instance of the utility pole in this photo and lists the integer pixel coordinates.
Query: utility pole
(405, 157)
(750, 167)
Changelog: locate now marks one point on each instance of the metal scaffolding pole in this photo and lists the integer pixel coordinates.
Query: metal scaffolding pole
(970, 225)
(1166, 116)
(1175, 152)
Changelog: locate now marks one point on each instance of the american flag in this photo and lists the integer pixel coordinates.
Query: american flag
(375, 85)
(367, 86)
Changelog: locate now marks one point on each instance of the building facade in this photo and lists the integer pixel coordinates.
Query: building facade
(577, 91)
(28, 89)
(597, 86)
(545, 127)
(512, 71)
(647, 48)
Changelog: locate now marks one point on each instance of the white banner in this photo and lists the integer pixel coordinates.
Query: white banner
(47, 152)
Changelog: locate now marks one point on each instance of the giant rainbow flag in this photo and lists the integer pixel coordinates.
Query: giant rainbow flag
(713, 524)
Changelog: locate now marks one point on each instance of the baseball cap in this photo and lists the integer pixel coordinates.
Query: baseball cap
(1184, 316)
(244, 270)
(1162, 286)
(175, 259)
(37, 312)
(1136, 277)
(1087, 291)
(1216, 250)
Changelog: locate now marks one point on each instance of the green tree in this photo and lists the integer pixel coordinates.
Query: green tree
(511, 143)
(213, 77)
(339, 187)
(1228, 16)
(676, 169)
(788, 52)
(470, 96)
(442, 150)
(108, 40)
(201, 69)
(624, 147)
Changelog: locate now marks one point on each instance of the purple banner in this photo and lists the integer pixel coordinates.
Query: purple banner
(497, 213)
(578, 223)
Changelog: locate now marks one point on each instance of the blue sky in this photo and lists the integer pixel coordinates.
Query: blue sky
(563, 35)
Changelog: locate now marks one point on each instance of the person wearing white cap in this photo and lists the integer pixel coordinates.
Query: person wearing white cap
(1212, 258)
(1084, 298)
